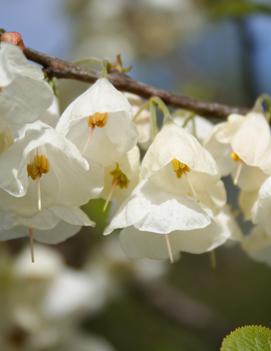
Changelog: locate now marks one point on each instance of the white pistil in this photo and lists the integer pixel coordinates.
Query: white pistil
(109, 197)
(191, 187)
(213, 259)
(31, 242)
(170, 254)
(91, 130)
(39, 194)
(237, 174)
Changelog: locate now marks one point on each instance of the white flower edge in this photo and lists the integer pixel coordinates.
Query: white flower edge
(49, 226)
(140, 244)
(150, 209)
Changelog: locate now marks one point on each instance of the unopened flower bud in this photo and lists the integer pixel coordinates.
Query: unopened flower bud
(13, 38)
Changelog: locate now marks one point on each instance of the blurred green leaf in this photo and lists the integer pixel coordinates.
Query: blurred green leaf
(238, 8)
(94, 209)
(248, 338)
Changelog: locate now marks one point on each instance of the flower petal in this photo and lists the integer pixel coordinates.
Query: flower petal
(252, 140)
(150, 209)
(173, 142)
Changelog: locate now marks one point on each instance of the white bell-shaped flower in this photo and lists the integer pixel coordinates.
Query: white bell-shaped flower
(178, 164)
(138, 244)
(241, 146)
(150, 208)
(42, 168)
(99, 123)
(24, 94)
(179, 192)
(160, 225)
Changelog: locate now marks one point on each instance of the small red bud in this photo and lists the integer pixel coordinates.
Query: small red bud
(13, 38)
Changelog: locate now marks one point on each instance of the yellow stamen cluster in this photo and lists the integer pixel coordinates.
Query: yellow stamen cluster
(38, 167)
(235, 157)
(179, 168)
(119, 178)
(98, 120)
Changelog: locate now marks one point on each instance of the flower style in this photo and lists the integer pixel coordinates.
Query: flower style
(241, 147)
(24, 94)
(99, 123)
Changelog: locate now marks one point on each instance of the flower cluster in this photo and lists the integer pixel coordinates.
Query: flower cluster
(171, 199)
(43, 305)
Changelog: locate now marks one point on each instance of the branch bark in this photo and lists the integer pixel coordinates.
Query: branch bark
(58, 68)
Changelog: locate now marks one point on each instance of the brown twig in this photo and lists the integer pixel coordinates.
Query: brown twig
(182, 309)
(58, 68)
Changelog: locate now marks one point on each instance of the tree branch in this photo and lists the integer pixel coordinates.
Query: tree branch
(182, 309)
(58, 68)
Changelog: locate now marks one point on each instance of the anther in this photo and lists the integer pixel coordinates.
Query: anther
(38, 167)
(179, 168)
(118, 179)
(235, 157)
(97, 120)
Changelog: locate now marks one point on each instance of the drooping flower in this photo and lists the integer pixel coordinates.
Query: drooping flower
(159, 225)
(241, 146)
(99, 123)
(43, 168)
(139, 244)
(180, 165)
(24, 94)
(161, 205)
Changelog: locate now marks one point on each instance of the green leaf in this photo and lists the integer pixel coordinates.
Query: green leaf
(154, 128)
(248, 338)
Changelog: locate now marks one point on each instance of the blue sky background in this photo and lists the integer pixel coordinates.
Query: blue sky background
(47, 27)
(43, 23)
